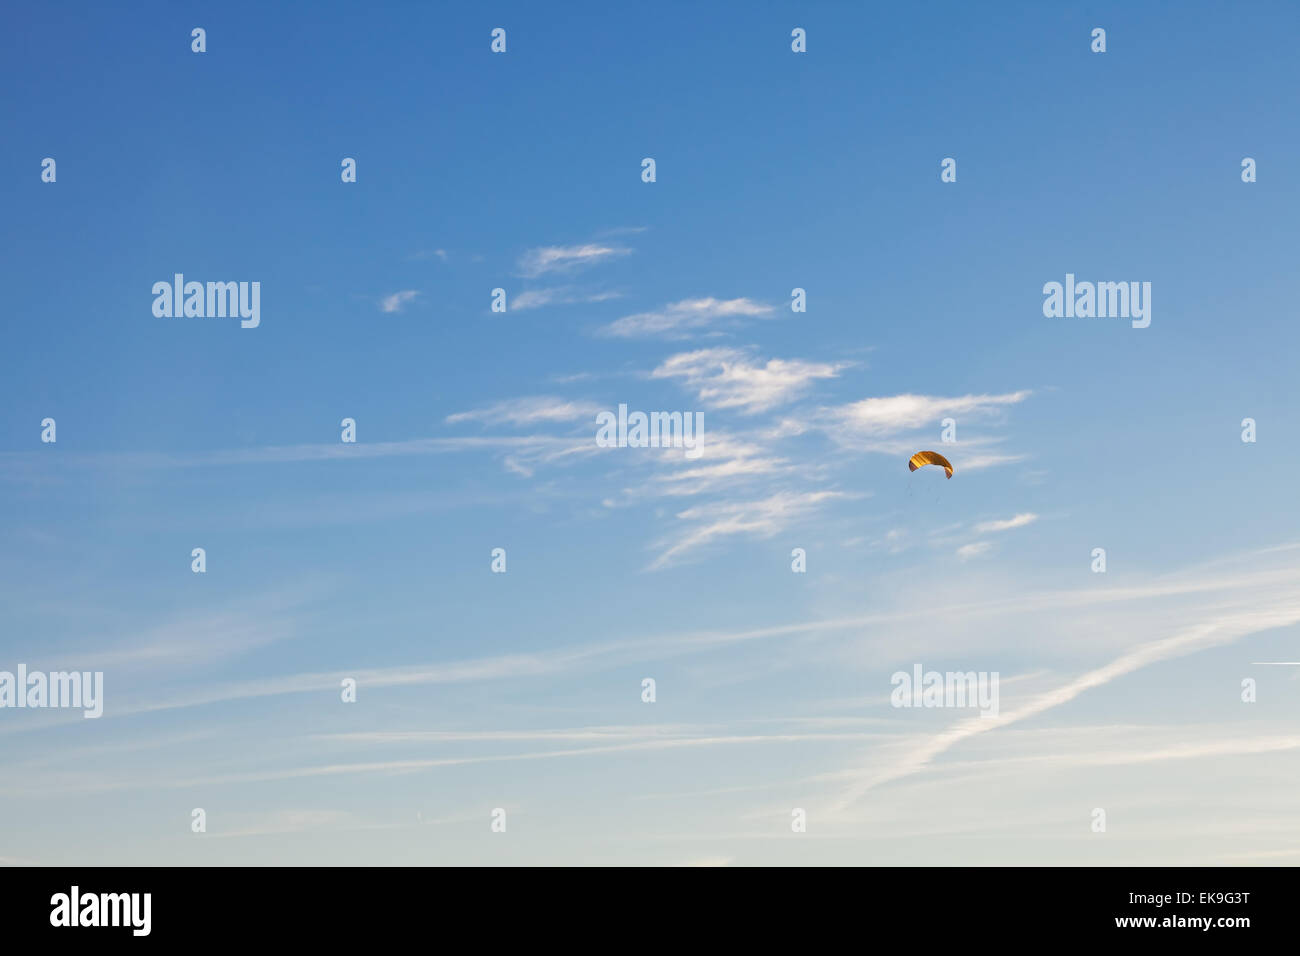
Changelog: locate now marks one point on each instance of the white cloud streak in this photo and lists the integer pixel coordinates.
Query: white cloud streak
(685, 316)
(398, 300)
(716, 520)
(882, 417)
(561, 295)
(548, 259)
(1019, 521)
(530, 411)
(1224, 629)
(728, 378)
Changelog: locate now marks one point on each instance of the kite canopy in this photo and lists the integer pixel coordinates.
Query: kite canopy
(923, 458)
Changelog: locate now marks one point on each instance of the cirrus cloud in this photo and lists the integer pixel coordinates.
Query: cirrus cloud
(398, 300)
(544, 259)
(678, 318)
(528, 411)
(733, 378)
(878, 417)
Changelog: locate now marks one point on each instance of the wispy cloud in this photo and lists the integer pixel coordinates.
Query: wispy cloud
(733, 378)
(975, 549)
(727, 462)
(280, 454)
(678, 318)
(302, 820)
(192, 641)
(520, 454)
(530, 411)
(1228, 625)
(882, 417)
(547, 259)
(978, 462)
(719, 466)
(1019, 521)
(763, 518)
(290, 821)
(604, 733)
(622, 231)
(1251, 600)
(398, 300)
(561, 295)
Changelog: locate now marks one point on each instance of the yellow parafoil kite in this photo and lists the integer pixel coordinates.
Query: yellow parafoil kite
(923, 458)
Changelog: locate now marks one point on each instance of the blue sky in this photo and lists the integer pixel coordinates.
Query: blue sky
(475, 430)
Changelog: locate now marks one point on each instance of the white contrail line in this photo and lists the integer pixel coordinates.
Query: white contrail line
(1223, 631)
